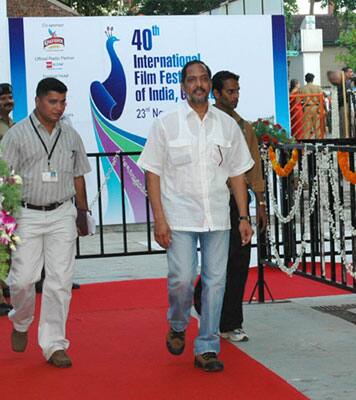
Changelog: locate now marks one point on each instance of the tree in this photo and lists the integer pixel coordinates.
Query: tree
(290, 9)
(172, 7)
(347, 40)
(96, 7)
(345, 10)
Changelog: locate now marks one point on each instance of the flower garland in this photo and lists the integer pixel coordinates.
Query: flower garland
(303, 176)
(288, 168)
(10, 197)
(325, 169)
(338, 208)
(302, 179)
(344, 164)
(268, 132)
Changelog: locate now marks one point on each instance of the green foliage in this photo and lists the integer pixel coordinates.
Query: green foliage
(340, 6)
(345, 10)
(10, 197)
(269, 133)
(9, 190)
(95, 7)
(290, 9)
(172, 7)
(347, 39)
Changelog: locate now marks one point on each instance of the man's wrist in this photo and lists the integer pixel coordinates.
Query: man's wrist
(244, 218)
(262, 203)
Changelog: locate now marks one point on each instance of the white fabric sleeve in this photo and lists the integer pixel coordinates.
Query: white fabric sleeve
(153, 154)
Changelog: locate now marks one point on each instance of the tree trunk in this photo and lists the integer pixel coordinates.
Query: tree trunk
(311, 9)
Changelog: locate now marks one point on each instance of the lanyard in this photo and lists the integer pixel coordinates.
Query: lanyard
(49, 155)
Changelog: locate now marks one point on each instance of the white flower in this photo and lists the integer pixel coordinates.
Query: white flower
(16, 239)
(17, 179)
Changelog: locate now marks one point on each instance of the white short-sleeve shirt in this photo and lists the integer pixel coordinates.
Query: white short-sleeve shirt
(194, 158)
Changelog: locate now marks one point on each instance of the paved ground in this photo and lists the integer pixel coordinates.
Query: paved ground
(312, 350)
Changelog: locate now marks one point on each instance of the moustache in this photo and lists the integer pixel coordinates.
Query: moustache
(199, 89)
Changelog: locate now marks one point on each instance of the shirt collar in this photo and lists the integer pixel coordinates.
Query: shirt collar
(188, 110)
(38, 124)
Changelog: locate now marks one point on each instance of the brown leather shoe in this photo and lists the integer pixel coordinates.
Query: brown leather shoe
(19, 341)
(175, 342)
(60, 359)
(209, 362)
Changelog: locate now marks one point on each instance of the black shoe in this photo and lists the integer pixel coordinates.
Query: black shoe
(5, 308)
(209, 362)
(175, 342)
(75, 286)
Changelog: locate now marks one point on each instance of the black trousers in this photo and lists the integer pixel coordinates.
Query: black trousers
(236, 277)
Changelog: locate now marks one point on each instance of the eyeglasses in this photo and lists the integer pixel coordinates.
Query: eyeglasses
(5, 88)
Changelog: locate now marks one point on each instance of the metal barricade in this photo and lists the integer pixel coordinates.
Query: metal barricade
(322, 214)
(308, 116)
(309, 226)
(114, 240)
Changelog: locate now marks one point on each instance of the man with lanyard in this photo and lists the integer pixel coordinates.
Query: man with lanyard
(188, 157)
(226, 90)
(50, 158)
(6, 107)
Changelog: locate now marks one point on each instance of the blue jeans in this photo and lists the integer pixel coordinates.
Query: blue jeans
(182, 269)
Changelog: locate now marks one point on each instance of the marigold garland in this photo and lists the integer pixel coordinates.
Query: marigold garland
(278, 169)
(344, 164)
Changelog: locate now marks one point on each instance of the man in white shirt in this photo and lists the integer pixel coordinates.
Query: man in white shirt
(189, 155)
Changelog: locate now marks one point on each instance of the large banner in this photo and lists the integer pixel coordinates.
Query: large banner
(122, 72)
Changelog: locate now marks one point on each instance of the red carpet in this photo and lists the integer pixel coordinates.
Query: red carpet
(284, 287)
(117, 335)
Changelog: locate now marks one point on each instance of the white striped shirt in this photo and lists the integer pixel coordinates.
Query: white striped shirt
(25, 154)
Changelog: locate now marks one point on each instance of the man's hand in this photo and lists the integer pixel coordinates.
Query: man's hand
(262, 217)
(162, 233)
(246, 232)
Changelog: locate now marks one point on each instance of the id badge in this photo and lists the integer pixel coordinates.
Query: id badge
(49, 176)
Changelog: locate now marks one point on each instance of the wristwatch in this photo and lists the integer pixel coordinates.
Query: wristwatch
(244, 218)
(262, 203)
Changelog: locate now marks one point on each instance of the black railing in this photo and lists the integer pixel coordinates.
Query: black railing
(321, 261)
(117, 234)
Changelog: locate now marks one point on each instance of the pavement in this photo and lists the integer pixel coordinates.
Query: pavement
(313, 350)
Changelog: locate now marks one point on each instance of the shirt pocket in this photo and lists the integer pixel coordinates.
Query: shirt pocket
(66, 160)
(219, 152)
(180, 162)
(180, 153)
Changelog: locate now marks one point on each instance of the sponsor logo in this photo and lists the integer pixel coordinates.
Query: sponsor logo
(53, 64)
(54, 42)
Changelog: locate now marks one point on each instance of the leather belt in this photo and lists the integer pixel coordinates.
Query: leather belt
(49, 207)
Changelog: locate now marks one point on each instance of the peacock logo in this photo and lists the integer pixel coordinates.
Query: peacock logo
(107, 100)
(110, 95)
